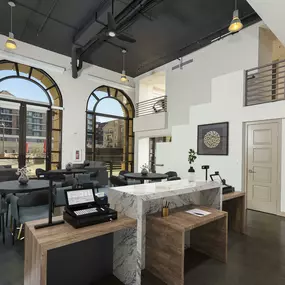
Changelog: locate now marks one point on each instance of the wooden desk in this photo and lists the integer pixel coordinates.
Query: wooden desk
(234, 204)
(165, 240)
(42, 242)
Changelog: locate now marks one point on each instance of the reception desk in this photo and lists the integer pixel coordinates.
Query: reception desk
(64, 255)
(138, 201)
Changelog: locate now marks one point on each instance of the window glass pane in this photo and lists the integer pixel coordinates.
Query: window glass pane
(56, 139)
(89, 142)
(110, 139)
(7, 69)
(91, 103)
(18, 88)
(101, 92)
(56, 119)
(55, 157)
(110, 106)
(24, 70)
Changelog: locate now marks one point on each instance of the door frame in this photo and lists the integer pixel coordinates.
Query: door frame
(245, 155)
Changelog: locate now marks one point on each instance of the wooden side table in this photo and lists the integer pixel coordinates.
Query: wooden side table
(165, 239)
(234, 204)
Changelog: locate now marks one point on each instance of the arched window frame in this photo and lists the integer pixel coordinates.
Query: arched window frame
(56, 148)
(128, 109)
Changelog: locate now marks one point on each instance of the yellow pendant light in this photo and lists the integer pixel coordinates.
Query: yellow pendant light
(236, 24)
(124, 76)
(10, 43)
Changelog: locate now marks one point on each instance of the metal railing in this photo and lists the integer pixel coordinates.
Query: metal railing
(152, 106)
(265, 84)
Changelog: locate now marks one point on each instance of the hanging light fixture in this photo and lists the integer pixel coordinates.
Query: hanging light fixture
(236, 24)
(10, 43)
(124, 76)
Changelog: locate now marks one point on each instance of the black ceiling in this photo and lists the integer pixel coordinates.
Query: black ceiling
(164, 29)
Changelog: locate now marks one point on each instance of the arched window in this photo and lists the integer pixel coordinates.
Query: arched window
(30, 118)
(109, 128)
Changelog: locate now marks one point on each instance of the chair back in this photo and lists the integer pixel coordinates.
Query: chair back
(171, 174)
(40, 173)
(173, 178)
(34, 199)
(116, 181)
(83, 178)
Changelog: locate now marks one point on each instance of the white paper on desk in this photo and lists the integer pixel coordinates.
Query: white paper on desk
(198, 212)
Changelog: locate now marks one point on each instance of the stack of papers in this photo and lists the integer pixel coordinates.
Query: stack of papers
(198, 212)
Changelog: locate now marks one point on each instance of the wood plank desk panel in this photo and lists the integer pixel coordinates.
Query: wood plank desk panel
(165, 240)
(39, 242)
(234, 204)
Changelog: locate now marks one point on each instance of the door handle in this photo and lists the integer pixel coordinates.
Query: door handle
(251, 171)
(159, 164)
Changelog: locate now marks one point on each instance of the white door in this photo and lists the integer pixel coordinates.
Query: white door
(263, 166)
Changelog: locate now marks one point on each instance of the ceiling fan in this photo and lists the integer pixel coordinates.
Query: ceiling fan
(112, 30)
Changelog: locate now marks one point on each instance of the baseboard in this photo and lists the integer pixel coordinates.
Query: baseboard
(281, 214)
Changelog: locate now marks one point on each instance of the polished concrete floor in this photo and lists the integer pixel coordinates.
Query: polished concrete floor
(257, 258)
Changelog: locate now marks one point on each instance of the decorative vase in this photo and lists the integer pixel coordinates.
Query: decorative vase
(144, 172)
(191, 174)
(23, 179)
(68, 166)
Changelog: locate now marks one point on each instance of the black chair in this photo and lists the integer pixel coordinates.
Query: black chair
(117, 181)
(3, 210)
(40, 173)
(171, 174)
(173, 178)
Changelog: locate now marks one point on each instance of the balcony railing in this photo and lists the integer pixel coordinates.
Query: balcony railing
(265, 84)
(152, 106)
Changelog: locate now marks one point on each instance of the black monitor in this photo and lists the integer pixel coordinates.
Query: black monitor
(79, 197)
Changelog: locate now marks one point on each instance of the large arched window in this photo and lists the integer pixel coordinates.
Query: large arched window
(30, 118)
(109, 128)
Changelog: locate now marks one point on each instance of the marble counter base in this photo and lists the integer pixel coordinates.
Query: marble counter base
(137, 208)
(125, 255)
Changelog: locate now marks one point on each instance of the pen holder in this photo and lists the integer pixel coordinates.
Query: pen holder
(165, 212)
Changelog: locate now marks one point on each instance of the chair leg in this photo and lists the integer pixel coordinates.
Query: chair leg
(14, 231)
(20, 231)
(3, 227)
(7, 215)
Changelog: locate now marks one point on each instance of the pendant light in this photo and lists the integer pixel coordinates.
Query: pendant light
(124, 76)
(236, 24)
(10, 43)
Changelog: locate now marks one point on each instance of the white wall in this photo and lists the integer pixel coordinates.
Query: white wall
(272, 13)
(226, 105)
(192, 85)
(143, 155)
(75, 93)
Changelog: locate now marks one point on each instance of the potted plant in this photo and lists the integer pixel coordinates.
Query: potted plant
(23, 175)
(191, 158)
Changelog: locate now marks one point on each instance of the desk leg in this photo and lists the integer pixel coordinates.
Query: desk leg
(212, 239)
(237, 214)
(165, 253)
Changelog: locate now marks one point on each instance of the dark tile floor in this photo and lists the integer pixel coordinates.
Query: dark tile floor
(257, 258)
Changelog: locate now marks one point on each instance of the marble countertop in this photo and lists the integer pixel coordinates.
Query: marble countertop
(149, 191)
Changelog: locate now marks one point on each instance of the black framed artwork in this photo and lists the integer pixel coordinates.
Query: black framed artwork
(213, 139)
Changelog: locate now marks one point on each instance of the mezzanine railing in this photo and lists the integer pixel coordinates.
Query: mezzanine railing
(265, 84)
(152, 106)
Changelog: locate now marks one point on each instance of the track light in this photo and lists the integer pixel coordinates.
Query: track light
(124, 76)
(10, 43)
(236, 24)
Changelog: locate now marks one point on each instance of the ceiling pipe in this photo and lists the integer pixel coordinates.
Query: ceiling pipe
(123, 18)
